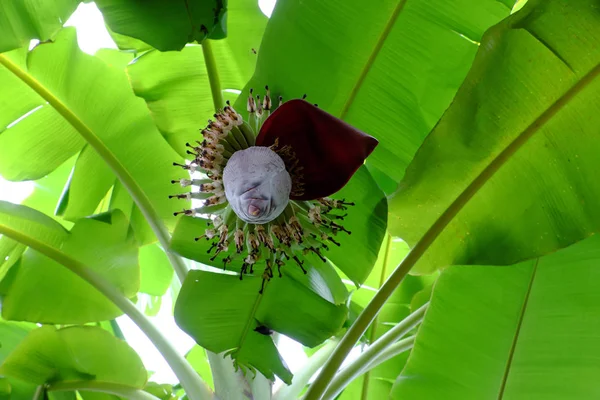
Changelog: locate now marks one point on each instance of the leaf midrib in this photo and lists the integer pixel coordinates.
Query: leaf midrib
(371, 60)
(136, 192)
(367, 377)
(513, 345)
(362, 322)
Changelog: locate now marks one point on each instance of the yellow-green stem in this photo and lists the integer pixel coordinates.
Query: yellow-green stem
(319, 386)
(136, 192)
(195, 388)
(360, 365)
(213, 75)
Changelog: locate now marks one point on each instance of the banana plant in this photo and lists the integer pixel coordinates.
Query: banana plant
(405, 190)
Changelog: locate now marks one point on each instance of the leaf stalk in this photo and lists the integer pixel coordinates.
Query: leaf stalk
(363, 362)
(194, 386)
(319, 386)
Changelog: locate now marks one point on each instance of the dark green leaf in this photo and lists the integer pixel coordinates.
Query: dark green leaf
(127, 43)
(367, 221)
(50, 355)
(517, 332)
(5, 388)
(32, 223)
(166, 24)
(228, 324)
(48, 193)
(543, 197)
(23, 20)
(390, 69)
(176, 87)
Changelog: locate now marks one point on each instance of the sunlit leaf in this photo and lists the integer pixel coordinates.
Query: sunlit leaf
(198, 359)
(511, 332)
(155, 270)
(525, 80)
(23, 20)
(103, 101)
(32, 223)
(88, 184)
(45, 291)
(367, 221)
(50, 355)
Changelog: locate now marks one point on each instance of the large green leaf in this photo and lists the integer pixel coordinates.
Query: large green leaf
(176, 86)
(44, 291)
(48, 192)
(527, 331)
(367, 221)
(390, 69)
(229, 323)
(23, 20)
(44, 198)
(166, 24)
(103, 102)
(88, 184)
(11, 334)
(32, 223)
(156, 272)
(79, 353)
(526, 82)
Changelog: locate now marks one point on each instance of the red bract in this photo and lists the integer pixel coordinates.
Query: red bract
(328, 149)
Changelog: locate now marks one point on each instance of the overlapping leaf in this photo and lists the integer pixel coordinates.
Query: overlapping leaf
(377, 383)
(526, 80)
(102, 100)
(176, 86)
(230, 323)
(525, 331)
(390, 70)
(23, 20)
(166, 25)
(11, 334)
(156, 272)
(41, 290)
(78, 353)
